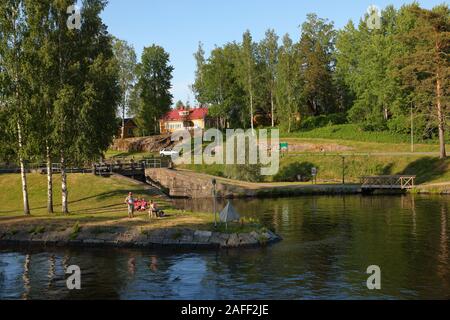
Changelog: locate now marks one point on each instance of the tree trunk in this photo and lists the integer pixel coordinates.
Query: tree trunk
(272, 109)
(65, 208)
(49, 181)
(251, 111)
(26, 206)
(441, 119)
(122, 134)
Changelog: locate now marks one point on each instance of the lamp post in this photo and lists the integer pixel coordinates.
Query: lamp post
(343, 169)
(214, 182)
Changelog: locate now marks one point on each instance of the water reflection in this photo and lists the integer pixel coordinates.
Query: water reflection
(26, 277)
(328, 244)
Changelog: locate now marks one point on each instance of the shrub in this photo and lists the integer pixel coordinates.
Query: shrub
(293, 171)
(244, 172)
(323, 120)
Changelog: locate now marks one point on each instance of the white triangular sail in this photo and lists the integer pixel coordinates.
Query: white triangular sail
(229, 214)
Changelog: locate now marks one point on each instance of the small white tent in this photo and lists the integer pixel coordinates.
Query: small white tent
(229, 214)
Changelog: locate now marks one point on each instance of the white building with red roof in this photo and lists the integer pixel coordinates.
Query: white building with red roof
(180, 119)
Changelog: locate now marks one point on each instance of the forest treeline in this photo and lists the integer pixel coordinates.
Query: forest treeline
(393, 78)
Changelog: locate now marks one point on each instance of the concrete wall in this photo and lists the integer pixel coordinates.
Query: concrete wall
(191, 185)
(181, 183)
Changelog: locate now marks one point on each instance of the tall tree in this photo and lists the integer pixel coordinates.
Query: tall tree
(85, 87)
(247, 71)
(316, 48)
(154, 84)
(289, 83)
(39, 48)
(364, 63)
(221, 89)
(126, 58)
(15, 90)
(269, 52)
(198, 86)
(427, 68)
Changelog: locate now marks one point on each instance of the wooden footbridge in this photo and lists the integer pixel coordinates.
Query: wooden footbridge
(135, 170)
(399, 182)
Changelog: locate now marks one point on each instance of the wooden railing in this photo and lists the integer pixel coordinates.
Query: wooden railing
(388, 182)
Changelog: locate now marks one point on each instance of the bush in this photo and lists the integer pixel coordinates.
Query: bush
(244, 172)
(293, 171)
(323, 120)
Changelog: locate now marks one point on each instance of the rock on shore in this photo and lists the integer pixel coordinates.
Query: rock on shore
(137, 237)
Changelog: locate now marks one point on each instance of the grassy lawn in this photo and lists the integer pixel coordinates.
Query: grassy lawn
(95, 202)
(366, 153)
(428, 169)
(365, 147)
(352, 132)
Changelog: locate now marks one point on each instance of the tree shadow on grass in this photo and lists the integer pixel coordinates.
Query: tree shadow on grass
(426, 169)
(101, 197)
(295, 171)
(387, 169)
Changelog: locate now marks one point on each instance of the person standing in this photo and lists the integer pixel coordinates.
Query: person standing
(130, 203)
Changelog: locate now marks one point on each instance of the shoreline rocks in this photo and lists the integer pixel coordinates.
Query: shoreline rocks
(135, 238)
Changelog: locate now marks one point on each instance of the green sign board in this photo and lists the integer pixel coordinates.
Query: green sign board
(284, 146)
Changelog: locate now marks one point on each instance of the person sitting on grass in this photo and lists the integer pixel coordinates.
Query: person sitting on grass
(143, 204)
(130, 204)
(137, 204)
(154, 210)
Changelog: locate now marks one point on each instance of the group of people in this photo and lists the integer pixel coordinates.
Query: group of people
(142, 205)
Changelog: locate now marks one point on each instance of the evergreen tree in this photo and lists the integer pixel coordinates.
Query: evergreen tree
(316, 48)
(269, 52)
(427, 68)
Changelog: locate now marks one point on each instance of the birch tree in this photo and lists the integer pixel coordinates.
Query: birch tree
(14, 89)
(126, 59)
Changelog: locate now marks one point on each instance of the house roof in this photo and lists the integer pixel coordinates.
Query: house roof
(194, 114)
(130, 121)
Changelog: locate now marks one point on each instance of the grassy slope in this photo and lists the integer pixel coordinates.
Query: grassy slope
(96, 202)
(372, 153)
(363, 159)
(352, 132)
(88, 194)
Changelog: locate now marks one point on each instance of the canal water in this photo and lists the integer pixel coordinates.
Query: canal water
(328, 243)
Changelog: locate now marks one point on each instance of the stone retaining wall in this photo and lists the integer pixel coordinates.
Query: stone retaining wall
(191, 185)
(136, 237)
(188, 184)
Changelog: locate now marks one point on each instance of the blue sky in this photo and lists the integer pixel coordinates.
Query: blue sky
(178, 25)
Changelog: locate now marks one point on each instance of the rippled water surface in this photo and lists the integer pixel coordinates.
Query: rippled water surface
(328, 244)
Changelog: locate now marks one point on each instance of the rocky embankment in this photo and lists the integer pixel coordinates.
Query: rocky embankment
(142, 144)
(136, 237)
